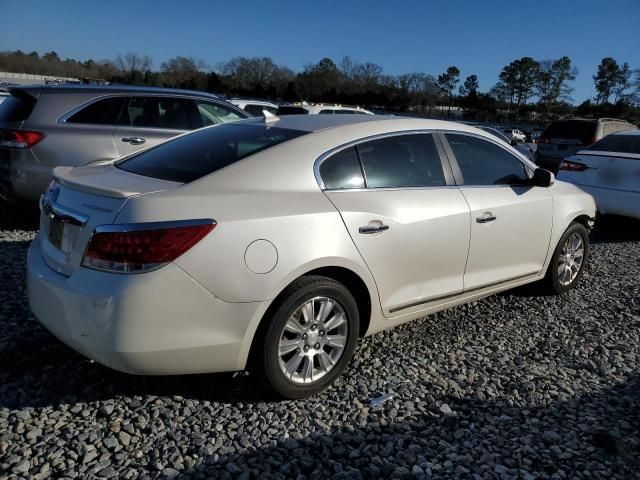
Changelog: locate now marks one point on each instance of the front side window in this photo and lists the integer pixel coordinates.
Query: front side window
(483, 163)
(342, 170)
(189, 157)
(215, 113)
(102, 112)
(162, 112)
(401, 161)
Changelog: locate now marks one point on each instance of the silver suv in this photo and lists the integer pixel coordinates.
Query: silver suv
(46, 126)
(567, 136)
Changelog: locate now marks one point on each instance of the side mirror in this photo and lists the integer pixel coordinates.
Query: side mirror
(542, 178)
(514, 142)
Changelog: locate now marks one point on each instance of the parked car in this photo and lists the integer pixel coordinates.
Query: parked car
(45, 126)
(319, 108)
(565, 137)
(514, 134)
(274, 244)
(523, 149)
(535, 136)
(610, 171)
(255, 108)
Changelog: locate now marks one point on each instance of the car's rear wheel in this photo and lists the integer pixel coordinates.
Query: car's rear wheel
(308, 339)
(569, 259)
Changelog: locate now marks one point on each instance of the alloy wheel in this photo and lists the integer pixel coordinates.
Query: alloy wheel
(570, 259)
(313, 340)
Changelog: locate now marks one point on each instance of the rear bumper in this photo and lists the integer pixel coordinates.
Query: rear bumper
(157, 323)
(22, 177)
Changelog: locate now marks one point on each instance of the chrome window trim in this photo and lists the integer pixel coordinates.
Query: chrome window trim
(62, 120)
(385, 189)
(353, 143)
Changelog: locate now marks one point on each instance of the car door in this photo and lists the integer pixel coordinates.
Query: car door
(405, 216)
(148, 120)
(510, 219)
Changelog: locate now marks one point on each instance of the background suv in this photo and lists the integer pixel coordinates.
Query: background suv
(565, 137)
(45, 126)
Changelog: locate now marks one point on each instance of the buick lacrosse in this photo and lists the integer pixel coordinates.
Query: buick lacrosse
(274, 244)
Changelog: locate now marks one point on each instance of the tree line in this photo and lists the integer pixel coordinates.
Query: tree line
(527, 90)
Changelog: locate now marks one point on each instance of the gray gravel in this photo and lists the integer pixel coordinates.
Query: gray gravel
(514, 386)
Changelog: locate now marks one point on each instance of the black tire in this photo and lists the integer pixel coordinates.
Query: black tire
(265, 361)
(552, 282)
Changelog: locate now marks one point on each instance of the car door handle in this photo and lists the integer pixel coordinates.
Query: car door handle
(134, 140)
(369, 229)
(486, 218)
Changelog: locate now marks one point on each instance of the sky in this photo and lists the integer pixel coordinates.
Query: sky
(479, 37)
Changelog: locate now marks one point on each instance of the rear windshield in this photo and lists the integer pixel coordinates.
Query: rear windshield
(17, 107)
(585, 131)
(193, 156)
(618, 143)
(292, 110)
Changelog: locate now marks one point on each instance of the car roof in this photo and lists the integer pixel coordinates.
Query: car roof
(315, 123)
(627, 132)
(113, 88)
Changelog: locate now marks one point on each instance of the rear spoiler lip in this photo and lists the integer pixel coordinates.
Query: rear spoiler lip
(61, 175)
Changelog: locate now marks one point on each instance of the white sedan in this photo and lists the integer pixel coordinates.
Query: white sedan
(610, 171)
(275, 244)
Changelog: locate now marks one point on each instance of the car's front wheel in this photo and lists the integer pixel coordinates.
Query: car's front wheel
(308, 339)
(569, 259)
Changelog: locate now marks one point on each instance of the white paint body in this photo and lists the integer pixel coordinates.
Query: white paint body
(612, 178)
(274, 224)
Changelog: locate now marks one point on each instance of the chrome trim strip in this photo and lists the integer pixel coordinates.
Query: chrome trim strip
(140, 227)
(461, 292)
(66, 215)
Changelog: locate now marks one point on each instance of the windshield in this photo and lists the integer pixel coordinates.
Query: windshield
(195, 155)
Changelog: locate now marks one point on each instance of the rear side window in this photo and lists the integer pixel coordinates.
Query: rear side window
(102, 112)
(342, 170)
(162, 112)
(258, 110)
(584, 131)
(483, 163)
(193, 156)
(618, 143)
(401, 161)
(215, 113)
(17, 107)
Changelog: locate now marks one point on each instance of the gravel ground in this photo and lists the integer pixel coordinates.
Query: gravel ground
(513, 386)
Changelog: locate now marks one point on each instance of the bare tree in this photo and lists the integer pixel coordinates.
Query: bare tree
(133, 62)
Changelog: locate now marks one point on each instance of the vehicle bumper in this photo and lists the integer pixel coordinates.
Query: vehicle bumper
(22, 177)
(157, 323)
(615, 202)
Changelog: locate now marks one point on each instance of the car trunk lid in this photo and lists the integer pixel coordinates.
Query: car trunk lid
(78, 201)
(611, 170)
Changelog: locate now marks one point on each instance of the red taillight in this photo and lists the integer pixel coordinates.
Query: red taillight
(572, 166)
(123, 249)
(19, 138)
